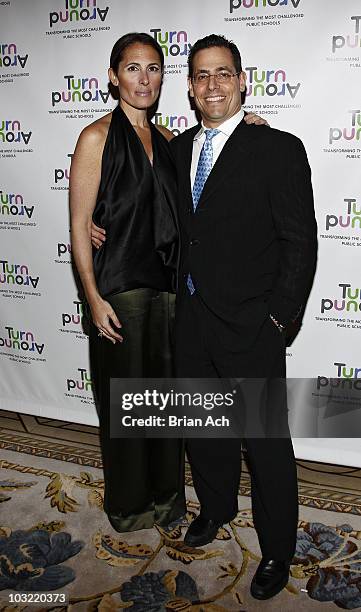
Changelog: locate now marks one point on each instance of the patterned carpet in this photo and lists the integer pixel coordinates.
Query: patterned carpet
(55, 538)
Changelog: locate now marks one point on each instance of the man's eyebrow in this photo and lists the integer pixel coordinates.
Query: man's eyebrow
(217, 69)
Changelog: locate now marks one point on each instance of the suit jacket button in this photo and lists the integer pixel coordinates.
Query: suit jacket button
(194, 242)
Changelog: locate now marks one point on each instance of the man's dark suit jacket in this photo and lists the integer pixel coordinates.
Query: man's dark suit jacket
(251, 244)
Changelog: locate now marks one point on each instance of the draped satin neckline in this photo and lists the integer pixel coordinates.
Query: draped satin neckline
(136, 205)
(151, 127)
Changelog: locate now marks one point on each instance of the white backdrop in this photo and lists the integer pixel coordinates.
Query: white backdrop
(302, 60)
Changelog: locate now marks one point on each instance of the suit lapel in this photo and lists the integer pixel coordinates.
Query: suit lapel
(230, 159)
(184, 170)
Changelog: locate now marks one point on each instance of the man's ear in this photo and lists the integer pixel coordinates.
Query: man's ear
(242, 81)
(190, 87)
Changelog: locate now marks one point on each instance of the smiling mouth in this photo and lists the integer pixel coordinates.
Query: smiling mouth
(215, 98)
(143, 93)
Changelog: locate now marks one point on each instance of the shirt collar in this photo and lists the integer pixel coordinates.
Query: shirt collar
(227, 127)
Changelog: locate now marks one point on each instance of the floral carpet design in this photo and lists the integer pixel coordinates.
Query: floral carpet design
(54, 537)
(32, 560)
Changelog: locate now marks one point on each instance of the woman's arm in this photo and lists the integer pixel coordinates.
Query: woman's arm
(84, 184)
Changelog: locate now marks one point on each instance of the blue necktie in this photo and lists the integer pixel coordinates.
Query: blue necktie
(204, 168)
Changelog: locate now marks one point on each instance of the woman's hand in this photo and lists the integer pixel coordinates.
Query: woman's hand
(253, 118)
(103, 317)
(97, 235)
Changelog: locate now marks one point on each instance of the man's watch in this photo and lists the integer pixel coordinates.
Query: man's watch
(279, 325)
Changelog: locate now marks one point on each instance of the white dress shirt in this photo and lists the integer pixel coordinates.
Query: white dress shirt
(218, 141)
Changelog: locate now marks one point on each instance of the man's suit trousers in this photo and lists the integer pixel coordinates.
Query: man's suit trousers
(216, 463)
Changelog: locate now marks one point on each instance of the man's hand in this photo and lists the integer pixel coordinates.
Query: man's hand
(98, 235)
(253, 118)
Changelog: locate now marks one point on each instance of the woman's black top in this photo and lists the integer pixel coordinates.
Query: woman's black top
(136, 206)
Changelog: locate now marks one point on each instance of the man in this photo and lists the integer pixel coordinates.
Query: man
(248, 236)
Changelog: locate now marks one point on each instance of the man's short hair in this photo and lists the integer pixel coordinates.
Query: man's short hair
(214, 40)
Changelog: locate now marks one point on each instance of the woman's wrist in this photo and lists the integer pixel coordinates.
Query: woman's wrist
(93, 298)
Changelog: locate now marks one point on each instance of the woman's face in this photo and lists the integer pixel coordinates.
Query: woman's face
(139, 76)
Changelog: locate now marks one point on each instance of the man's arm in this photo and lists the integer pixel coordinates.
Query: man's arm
(293, 213)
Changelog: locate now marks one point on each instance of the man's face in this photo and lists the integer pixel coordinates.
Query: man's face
(216, 101)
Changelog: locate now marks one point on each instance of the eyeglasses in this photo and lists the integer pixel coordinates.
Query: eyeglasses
(221, 77)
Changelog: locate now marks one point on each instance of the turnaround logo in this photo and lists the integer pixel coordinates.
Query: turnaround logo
(172, 43)
(351, 217)
(349, 300)
(82, 382)
(350, 133)
(10, 131)
(269, 83)
(12, 205)
(78, 10)
(24, 341)
(350, 41)
(250, 4)
(10, 58)
(61, 177)
(175, 123)
(344, 371)
(346, 378)
(80, 90)
(73, 318)
(63, 248)
(17, 274)
(61, 174)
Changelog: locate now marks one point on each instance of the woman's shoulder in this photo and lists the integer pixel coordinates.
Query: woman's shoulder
(95, 133)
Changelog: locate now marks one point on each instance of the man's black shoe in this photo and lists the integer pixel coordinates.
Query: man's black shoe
(270, 578)
(201, 531)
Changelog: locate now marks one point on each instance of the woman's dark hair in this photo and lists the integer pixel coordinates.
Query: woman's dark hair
(214, 40)
(122, 44)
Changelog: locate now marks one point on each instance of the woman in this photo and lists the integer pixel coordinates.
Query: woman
(122, 177)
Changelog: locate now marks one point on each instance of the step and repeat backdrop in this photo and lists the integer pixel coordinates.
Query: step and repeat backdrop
(303, 64)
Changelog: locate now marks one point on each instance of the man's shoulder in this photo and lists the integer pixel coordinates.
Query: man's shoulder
(277, 148)
(271, 137)
(184, 138)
